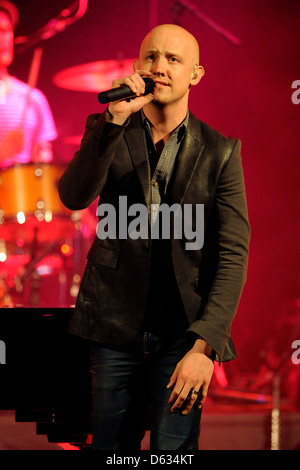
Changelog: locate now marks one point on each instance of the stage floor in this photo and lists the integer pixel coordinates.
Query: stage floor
(223, 428)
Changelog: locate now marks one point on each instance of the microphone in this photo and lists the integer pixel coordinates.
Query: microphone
(124, 92)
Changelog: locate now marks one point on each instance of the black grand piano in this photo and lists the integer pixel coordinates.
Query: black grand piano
(44, 373)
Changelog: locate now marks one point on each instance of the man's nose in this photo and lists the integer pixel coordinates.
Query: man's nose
(158, 67)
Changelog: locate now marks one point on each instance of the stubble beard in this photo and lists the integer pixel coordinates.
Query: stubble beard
(161, 102)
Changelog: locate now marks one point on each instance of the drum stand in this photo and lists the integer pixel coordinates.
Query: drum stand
(78, 242)
(29, 270)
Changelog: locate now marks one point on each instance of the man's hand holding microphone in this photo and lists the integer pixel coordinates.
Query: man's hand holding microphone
(122, 103)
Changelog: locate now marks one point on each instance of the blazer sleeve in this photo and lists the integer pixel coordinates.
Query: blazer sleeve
(233, 236)
(86, 174)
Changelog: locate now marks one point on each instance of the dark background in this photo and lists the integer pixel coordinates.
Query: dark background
(246, 93)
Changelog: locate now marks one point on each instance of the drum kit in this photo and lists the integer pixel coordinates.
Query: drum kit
(39, 236)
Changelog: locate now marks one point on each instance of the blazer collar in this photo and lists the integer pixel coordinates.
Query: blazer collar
(187, 160)
(136, 141)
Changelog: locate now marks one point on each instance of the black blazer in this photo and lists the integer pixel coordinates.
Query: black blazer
(112, 162)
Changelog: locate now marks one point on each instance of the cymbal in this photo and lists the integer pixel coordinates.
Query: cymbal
(93, 76)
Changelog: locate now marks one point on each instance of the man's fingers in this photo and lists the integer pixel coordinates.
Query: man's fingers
(136, 84)
(185, 399)
(193, 397)
(134, 81)
(176, 392)
(143, 73)
(173, 378)
(178, 397)
(204, 391)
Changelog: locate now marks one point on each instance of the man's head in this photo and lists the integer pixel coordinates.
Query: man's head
(9, 18)
(171, 54)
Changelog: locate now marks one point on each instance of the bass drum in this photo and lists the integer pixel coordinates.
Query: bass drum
(30, 207)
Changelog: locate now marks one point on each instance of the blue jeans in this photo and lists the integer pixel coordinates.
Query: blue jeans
(126, 384)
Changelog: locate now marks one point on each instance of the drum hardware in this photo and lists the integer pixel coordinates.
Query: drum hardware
(78, 240)
(65, 18)
(25, 287)
(61, 258)
(180, 6)
(25, 273)
(31, 271)
(276, 359)
(34, 223)
(275, 414)
(276, 401)
(29, 268)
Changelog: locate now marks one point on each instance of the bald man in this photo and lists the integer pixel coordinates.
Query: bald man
(157, 309)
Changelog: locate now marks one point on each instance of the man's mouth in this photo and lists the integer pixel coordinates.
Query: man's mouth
(161, 82)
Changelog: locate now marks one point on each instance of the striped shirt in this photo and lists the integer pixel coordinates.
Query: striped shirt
(28, 112)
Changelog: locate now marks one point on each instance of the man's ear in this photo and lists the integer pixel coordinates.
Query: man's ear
(136, 64)
(197, 74)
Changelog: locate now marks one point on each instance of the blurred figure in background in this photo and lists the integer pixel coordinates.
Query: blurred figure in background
(27, 129)
(27, 126)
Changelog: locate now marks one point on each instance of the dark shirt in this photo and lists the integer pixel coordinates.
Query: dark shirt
(165, 315)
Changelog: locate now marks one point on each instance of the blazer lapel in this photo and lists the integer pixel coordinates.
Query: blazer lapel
(186, 163)
(188, 158)
(135, 138)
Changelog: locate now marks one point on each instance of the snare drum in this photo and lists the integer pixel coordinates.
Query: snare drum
(30, 204)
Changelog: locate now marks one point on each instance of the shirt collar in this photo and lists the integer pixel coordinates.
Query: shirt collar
(180, 130)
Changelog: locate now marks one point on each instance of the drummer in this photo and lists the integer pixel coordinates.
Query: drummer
(27, 127)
